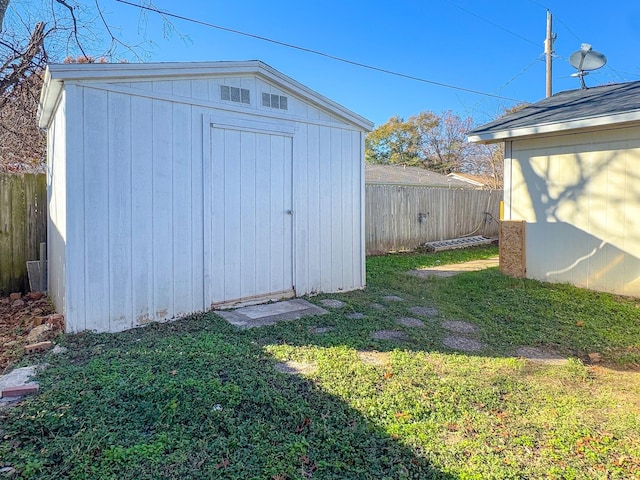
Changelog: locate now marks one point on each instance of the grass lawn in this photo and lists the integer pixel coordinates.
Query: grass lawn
(198, 398)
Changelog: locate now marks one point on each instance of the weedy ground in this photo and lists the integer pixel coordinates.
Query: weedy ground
(198, 398)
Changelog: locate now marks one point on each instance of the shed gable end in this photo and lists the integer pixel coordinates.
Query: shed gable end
(247, 93)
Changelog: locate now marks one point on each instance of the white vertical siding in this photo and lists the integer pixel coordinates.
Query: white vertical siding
(96, 209)
(229, 230)
(309, 204)
(248, 203)
(576, 192)
(181, 162)
(162, 213)
(75, 189)
(57, 205)
(119, 228)
(197, 144)
(325, 211)
(142, 210)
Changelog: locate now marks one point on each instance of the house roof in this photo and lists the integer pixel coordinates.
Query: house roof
(569, 110)
(57, 74)
(474, 180)
(402, 175)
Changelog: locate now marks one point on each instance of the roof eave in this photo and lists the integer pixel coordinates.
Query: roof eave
(48, 99)
(493, 136)
(57, 74)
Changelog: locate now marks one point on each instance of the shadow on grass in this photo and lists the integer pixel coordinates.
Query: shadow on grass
(508, 313)
(191, 399)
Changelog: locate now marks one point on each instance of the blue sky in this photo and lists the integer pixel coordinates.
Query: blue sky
(492, 46)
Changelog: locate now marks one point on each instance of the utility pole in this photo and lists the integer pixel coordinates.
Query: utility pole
(548, 50)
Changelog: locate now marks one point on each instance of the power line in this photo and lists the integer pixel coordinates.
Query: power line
(510, 32)
(569, 30)
(511, 80)
(315, 52)
(557, 19)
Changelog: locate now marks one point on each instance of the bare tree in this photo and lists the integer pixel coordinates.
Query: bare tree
(33, 32)
(22, 143)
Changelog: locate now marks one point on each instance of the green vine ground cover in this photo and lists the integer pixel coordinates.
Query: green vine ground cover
(197, 398)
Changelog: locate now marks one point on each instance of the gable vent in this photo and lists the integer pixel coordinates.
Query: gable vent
(274, 101)
(234, 94)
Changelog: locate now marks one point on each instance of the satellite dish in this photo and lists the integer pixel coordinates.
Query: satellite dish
(585, 60)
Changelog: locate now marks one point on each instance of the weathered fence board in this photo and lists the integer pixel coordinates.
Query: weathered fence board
(23, 225)
(403, 217)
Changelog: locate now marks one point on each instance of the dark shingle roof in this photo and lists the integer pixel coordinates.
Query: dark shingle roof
(569, 106)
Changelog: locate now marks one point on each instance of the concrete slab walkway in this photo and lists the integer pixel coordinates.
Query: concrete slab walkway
(270, 313)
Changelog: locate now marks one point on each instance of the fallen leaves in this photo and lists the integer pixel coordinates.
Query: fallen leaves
(595, 357)
(305, 423)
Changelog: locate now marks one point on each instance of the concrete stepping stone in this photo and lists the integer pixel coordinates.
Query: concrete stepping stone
(356, 316)
(378, 306)
(295, 368)
(424, 311)
(395, 335)
(392, 298)
(321, 330)
(464, 344)
(377, 359)
(460, 326)
(15, 384)
(332, 303)
(410, 322)
(270, 313)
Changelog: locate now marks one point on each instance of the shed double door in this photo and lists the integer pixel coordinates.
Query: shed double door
(252, 216)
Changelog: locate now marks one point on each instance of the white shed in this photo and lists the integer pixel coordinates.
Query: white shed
(179, 187)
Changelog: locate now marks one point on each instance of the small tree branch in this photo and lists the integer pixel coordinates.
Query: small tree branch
(20, 70)
(3, 9)
(75, 24)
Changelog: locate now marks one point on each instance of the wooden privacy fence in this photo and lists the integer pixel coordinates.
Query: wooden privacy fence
(23, 225)
(403, 217)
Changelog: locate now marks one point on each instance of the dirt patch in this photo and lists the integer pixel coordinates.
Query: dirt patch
(377, 359)
(296, 368)
(541, 355)
(463, 344)
(395, 335)
(460, 326)
(25, 319)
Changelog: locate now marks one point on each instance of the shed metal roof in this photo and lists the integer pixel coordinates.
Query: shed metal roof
(57, 74)
(569, 110)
